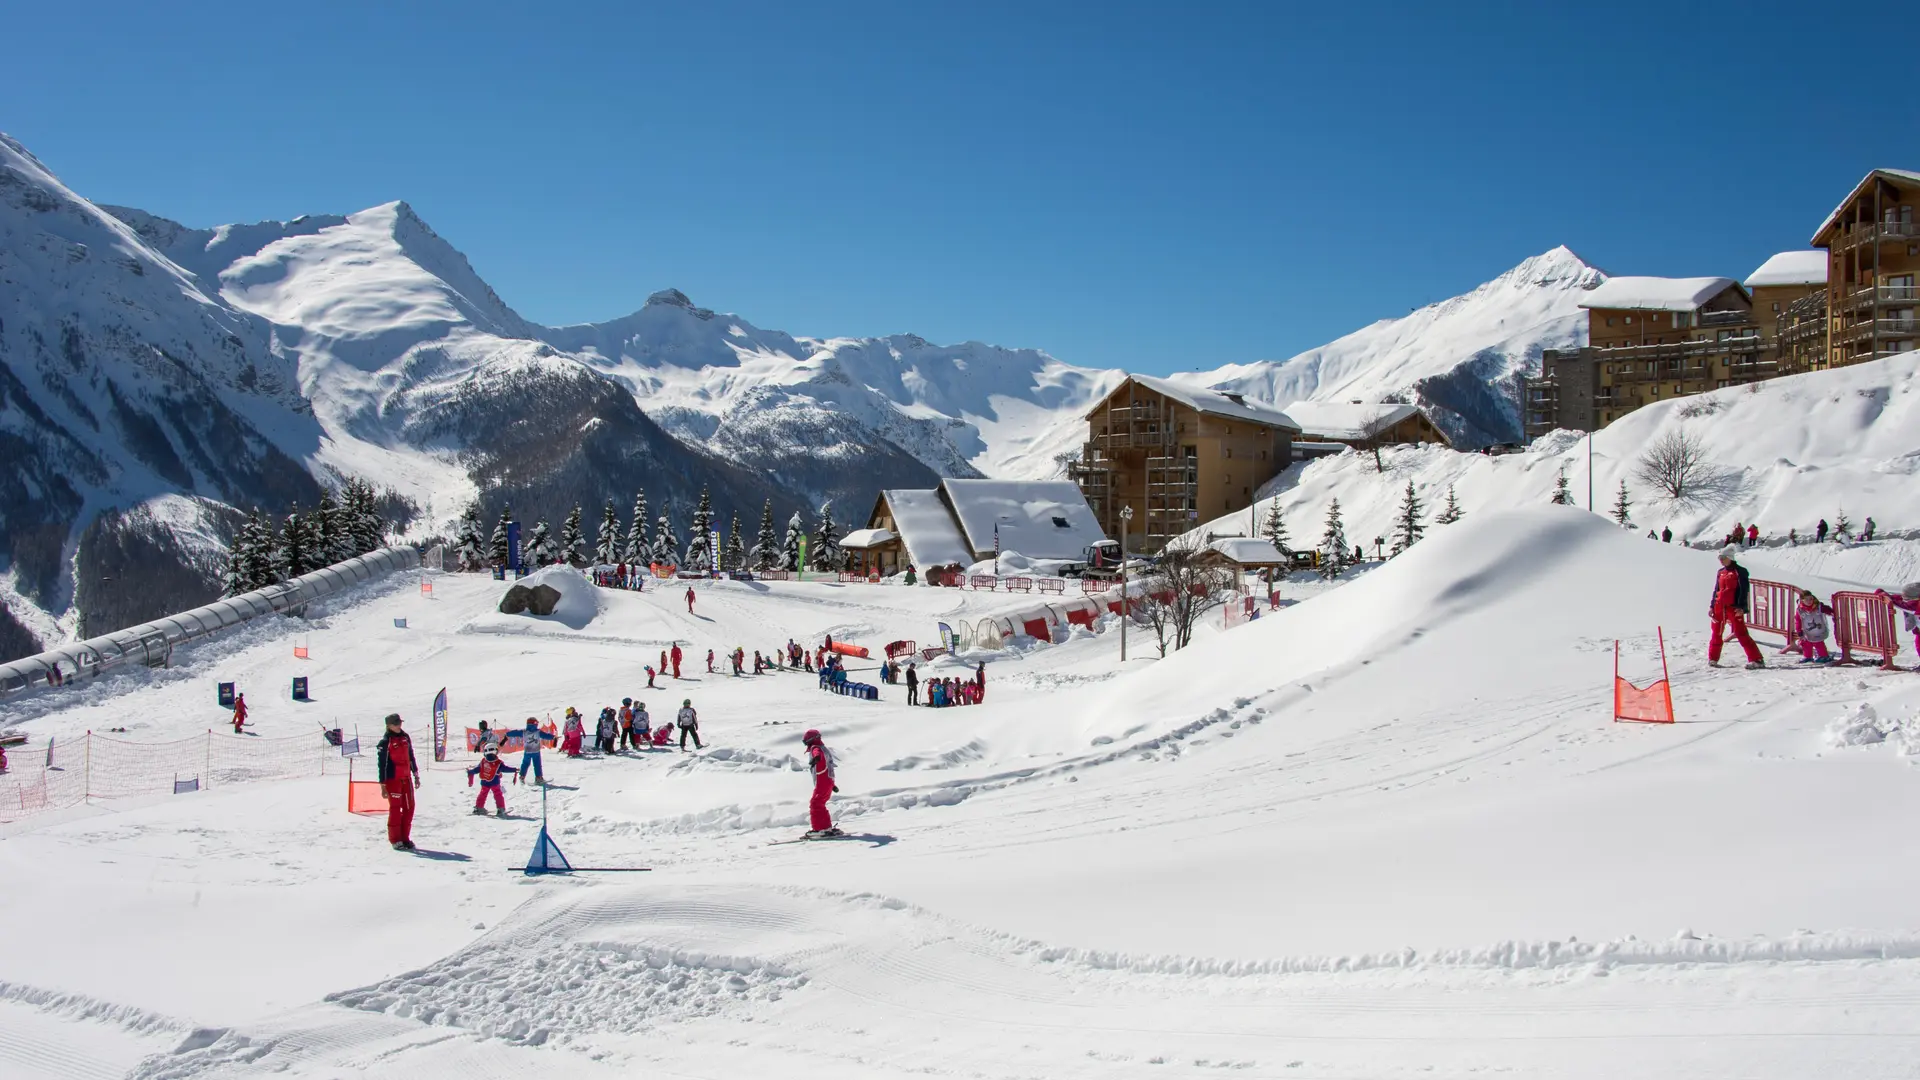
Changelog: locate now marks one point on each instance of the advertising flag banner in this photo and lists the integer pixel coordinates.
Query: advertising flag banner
(713, 546)
(440, 725)
(513, 546)
(800, 571)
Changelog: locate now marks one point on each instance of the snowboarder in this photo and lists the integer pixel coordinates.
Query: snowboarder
(399, 772)
(530, 752)
(574, 733)
(1728, 610)
(239, 713)
(1810, 627)
(676, 659)
(1908, 603)
(820, 763)
(489, 770)
(688, 722)
(1820, 532)
(689, 599)
(1666, 535)
(913, 684)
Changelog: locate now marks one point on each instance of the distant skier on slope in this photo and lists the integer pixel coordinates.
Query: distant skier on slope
(239, 713)
(492, 771)
(1728, 610)
(688, 722)
(689, 599)
(820, 763)
(675, 656)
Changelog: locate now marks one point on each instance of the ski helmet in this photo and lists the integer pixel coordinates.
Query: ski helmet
(626, 701)
(810, 738)
(686, 701)
(490, 750)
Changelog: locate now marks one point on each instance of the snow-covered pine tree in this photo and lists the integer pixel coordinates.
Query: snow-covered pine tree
(1841, 526)
(766, 546)
(1622, 509)
(467, 546)
(607, 551)
(1407, 527)
(1562, 496)
(573, 546)
(497, 543)
(734, 558)
(539, 546)
(666, 546)
(1274, 530)
(635, 550)
(365, 525)
(700, 538)
(291, 558)
(261, 544)
(790, 547)
(331, 539)
(1333, 544)
(824, 552)
(1450, 512)
(315, 541)
(234, 581)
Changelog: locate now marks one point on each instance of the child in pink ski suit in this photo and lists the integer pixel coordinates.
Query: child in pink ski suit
(491, 771)
(820, 763)
(1810, 629)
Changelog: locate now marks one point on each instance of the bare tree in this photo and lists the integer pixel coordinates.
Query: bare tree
(1182, 588)
(1676, 463)
(1375, 433)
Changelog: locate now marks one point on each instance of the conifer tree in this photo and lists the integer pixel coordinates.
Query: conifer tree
(666, 546)
(331, 539)
(766, 546)
(734, 559)
(260, 544)
(314, 534)
(573, 546)
(1274, 530)
(1561, 495)
(366, 527)
(1622, 509)
(607, 552)
(790, 547)
(1334, 553)
(539, 546)
(234, 581)
(292, 559)
(700, 537)
(1841, 526)
(824, 551)
(1449, 513)
(467, 546)
(636, 548)
(1407, 527)
(497, 543)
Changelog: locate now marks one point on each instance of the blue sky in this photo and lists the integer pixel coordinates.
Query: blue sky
(1151, 186)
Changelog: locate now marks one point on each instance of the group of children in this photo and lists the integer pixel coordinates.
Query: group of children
(629, 727)
(1812, 628)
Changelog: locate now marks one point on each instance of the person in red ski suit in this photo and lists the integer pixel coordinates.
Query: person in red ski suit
(820, 763)
(1753, 535)
(573, 734)
(1728, 610)
(709, 661)
(1908, 603)
(676, 659)
(491, 772)
(689, 599)
(239, 712)
(399, 776)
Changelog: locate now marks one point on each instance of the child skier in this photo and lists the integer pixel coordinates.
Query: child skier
(689, 723)
(575, 733)
(650, 683)
(239, 713)
(607, 731)
(1810, 627)
(1909, 604)
(530, 755)
(491, 771)
(820, 763)
(642, 726)
(626, 723)
(709, 661)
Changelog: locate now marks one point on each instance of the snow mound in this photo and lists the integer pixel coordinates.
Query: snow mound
(580, 603)
(1863, 725)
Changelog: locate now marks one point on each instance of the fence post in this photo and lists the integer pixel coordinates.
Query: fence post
(86, 770)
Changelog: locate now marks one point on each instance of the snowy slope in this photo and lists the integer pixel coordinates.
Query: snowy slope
(1784, 454)
(1377, 833)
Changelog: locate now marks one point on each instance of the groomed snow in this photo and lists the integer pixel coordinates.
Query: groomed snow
(1387, 830)
(1655, 293)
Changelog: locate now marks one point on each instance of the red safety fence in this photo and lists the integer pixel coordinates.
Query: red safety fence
(1864, 622)
(1651, 704)
(984, 581)
(1771, 607)
(931, 652)
(1024, 584)
(847, 577)
(1091, 584)
(1052, 585)
(898, 649)
(67, 772)
(773, 575)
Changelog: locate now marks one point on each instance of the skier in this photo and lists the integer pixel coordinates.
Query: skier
(663, 663)
(913, 684)
(1666, 535)
(650, 683)
(709, 661)
(487, 738)
(608, 731)
(575, 733)
(1753, 535)
(530, 755)
(3, 759)
(489, 770)
(1820, 532)
(820, 762)
(239, 713)
(1728, 610)
(980, 679)
(688, 722)
(689, 599)
(642, 726)
(1793, 537)
(626, 723)
(399, 773)
(1908, 602)
(676, 659)
(1810, 627)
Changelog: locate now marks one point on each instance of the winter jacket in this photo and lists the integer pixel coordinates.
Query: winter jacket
(1729, 591)
(489, 771)
(534, 738)
(687, 718)
(820, 761)
(642, 723)
(1909, 610)
(609, 727)
(1811, 622)
(394, 756)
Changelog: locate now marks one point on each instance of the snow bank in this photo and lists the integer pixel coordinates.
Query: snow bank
(580, 602)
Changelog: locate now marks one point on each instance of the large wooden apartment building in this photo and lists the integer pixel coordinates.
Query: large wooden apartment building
(1178, 456)
(1852, 300)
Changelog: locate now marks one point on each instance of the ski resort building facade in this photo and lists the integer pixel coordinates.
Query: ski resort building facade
(1852, 299)
(963, 522)
(1176, 455)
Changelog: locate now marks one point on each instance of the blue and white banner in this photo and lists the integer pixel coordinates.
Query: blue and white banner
(440, 725)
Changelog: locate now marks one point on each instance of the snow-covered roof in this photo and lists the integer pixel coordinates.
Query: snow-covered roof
(1342, 420)
(1656, 293)
(1791, 268)
(1041, 519)
(1216, 403)
(866, 538)
(927, 528)
(1902, 177)
(1248, 550)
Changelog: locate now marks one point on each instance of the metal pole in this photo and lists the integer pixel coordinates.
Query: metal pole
(1124, 608)
(1589, 472)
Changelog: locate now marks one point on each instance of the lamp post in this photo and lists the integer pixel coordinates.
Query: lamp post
(1126, 606)
(1380, 548)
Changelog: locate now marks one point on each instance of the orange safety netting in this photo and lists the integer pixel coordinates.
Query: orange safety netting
(1650, 704)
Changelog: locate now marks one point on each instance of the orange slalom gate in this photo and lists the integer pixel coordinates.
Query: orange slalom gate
(1864, 622)
(364, 796)
(1651, 704)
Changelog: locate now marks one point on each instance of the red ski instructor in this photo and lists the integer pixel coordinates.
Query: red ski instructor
(399, 776)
